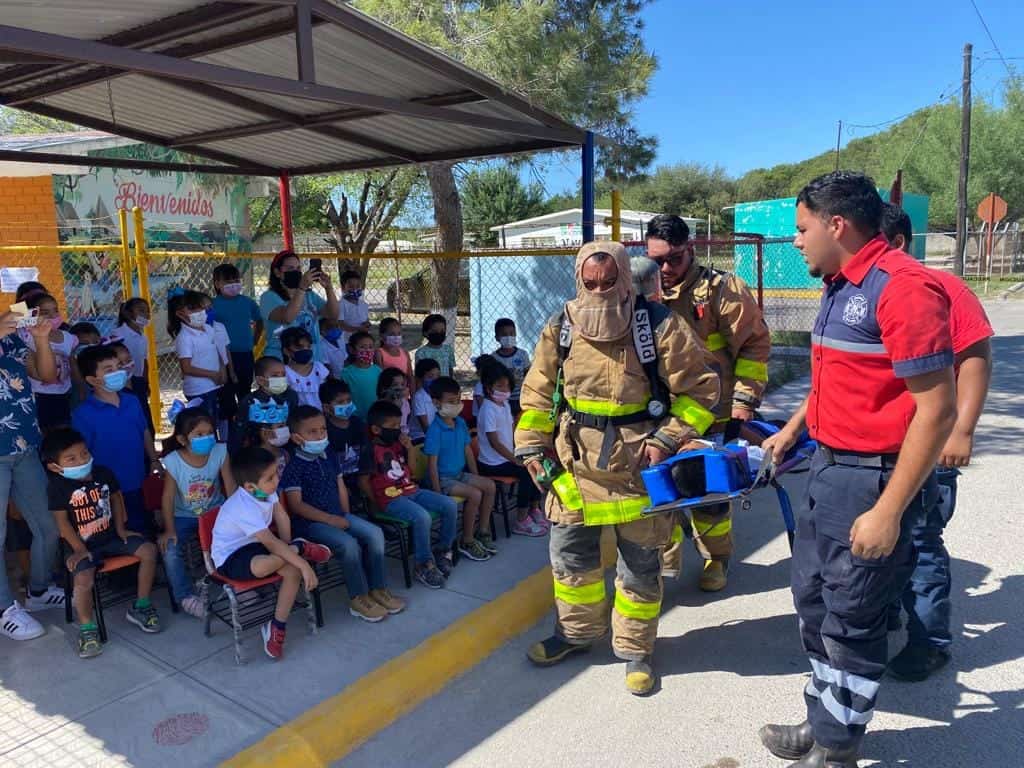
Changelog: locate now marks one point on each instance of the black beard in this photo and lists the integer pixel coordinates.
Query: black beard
(814, 272)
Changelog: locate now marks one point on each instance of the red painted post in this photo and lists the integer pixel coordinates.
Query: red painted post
(285, 200)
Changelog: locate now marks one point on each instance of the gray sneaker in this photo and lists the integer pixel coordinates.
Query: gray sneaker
(145, 619)
(429, 576)
(89, 644)
(474, 550)
(486, 540)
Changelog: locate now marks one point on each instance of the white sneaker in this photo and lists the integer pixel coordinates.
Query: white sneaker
(51, 598)
(17, 624)
(193, 606)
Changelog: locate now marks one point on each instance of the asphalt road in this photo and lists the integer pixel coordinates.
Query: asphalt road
(732, 662)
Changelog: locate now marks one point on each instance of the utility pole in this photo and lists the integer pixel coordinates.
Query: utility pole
(965, 161)
(839, 139)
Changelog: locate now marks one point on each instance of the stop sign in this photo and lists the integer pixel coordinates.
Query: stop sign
(992, 209)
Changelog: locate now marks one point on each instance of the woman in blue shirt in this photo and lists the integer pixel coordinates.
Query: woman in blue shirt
(291, 302)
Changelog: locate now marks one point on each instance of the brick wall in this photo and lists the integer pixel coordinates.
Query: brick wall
(28, 216)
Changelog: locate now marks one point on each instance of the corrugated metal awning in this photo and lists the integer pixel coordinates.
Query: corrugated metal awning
(279, 86)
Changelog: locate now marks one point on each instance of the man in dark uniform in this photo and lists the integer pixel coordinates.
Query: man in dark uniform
(881, 406)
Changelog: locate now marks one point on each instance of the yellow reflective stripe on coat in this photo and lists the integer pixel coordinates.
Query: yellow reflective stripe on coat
(567, 491)
(588, 594)
(712, 529)
(604, 408)
(537, 421)
(693, 413)
(715, 342)
(677, 534)
(615, 512)
(634, 610)
(751, 369)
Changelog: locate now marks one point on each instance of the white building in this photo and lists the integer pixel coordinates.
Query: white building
(565, 228)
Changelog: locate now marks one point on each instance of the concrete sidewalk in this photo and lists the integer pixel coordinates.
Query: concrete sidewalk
(177, 698)
(730, 662)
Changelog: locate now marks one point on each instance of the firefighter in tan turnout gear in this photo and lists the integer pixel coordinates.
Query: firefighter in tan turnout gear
(594, 415)
(724, 313)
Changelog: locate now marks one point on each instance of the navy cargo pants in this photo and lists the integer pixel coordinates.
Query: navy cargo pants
(842, 601)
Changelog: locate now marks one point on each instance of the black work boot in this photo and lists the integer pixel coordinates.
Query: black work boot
(554, 649)
(823, 757)
(917, 662)
(790, 742)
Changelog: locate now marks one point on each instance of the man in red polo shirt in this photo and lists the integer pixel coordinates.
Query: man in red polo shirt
(926, 596)
(881, 405)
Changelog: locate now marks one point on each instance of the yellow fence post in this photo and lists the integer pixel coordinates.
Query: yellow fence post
(616, 216)
(126, 256)
(142, 264)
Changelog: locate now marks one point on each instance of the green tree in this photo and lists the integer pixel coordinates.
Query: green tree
(493, 196)
(15, 122)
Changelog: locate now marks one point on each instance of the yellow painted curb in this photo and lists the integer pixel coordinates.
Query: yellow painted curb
(335, 727)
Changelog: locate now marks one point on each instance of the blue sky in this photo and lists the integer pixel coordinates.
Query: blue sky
(754, 83)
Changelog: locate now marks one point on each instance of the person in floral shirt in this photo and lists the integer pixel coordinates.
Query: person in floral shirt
(21, 474)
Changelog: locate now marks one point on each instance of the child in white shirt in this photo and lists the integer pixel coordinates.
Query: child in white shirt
(354, 312)
(304, 374)
(423, 410)
(203, 371)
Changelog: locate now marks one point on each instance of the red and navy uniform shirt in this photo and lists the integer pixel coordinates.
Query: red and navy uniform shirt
(968, 323)
(884, 318)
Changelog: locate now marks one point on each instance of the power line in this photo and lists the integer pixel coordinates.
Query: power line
(1010, 72)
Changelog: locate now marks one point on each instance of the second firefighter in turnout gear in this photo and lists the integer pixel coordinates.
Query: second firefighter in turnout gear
(722, 311)
(592, 405)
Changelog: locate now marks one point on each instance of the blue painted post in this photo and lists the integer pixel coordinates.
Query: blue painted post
(588, 188)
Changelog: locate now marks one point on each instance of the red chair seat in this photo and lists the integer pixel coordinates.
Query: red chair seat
(117, 562)
(240, 585)
(504, 479)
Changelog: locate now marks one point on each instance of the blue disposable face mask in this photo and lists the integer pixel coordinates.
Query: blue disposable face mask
(115, 381)
(354, 295)
(202, 445)
(344, 411)
(302, 356)
(80, 472)
(315, 447)
(333, 335)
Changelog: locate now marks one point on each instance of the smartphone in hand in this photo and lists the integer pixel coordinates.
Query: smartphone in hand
(316, 265)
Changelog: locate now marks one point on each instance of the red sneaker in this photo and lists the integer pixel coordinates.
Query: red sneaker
(315, 553)
(273, 640)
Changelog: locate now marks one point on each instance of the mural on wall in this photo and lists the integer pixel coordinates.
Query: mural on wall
(182, 212)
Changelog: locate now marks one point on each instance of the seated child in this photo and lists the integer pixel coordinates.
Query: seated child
(346, 432)
(423, 410)
(514, 358)
(435, 331)
(353, 311)
(360, 373)
(304, 374)
(391, 354)
(495, 428)
(244, 548)
(393, 386)
(385, 480)
(271, 384)
(447, 447)
(86, 501)
(481, 362)
(197, 480)
(332, 350)
(115, 429)
(268, 428)
(318, 502)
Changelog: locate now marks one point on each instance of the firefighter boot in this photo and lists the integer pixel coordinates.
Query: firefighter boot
(713, 579)
(790, 742)
(823, 757)
(549, 652)
(639, 676)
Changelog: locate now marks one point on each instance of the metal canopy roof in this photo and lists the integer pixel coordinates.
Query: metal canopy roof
(258, 87)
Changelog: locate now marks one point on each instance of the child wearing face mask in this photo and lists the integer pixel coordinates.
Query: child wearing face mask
(197, 479)
(332, 350)
(516, 359)
(115, 430)
(423, 410)
(495, 428)
(346, 432)
(361, 374)
(53, 398)
(268, 428)
(203, 371)
(435, 331)
(393, 387)
(391, 354)
(304, 374)
(318, 502)
(271, 386)
(132, 318)
(353, 311)
(243, 322)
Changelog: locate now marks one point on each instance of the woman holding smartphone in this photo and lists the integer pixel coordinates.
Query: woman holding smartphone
(290, 301)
